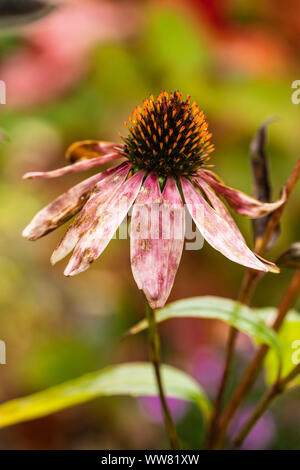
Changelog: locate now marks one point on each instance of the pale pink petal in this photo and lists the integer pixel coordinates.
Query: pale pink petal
(156, 239)
(103, 192)
(240, 201)
(106, 221)
(80, 166)
(216, 231)
(218, 206)
(223, 212)
(174, 210)
(148, 259)
(63, 208)
(273, 268)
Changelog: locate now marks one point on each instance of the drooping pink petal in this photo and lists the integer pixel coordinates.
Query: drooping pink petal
(156, 239)
(216, 231)
(273, 268)
(224, 213)
(175, 218)
(103, 192)
(87, 149)
(105, 223)
(63, 208)
(239, 201)
(218, 205)
(148, 259)
(76, 167)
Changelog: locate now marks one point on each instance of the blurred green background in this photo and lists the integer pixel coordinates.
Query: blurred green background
(77, 74)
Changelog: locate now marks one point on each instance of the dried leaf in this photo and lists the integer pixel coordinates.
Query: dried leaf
(291, 257)
(262, 185)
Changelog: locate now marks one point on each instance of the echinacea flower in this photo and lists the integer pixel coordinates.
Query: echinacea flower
(165, 164)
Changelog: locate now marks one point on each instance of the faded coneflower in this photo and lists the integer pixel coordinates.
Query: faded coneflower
(166, 153)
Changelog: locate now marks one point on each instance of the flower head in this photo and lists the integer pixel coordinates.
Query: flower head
(169, 136)
(165, 165)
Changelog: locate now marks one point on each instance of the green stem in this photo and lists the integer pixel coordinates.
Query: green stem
(218, 432)
(154, 345)
(248, 379)
(244, 296)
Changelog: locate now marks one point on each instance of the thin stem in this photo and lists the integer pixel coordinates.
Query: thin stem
(154, 345)
(253, 369)
(245, 292)
(277, 389)
(250, 282)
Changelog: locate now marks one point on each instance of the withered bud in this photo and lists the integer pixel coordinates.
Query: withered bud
(291, 257)
(262, 185)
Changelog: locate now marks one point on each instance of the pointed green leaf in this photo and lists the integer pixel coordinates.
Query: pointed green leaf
(217, 308)
(133, 379)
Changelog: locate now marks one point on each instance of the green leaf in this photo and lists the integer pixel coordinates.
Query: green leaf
(217, 308)
(289, 338)
(133, 379)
